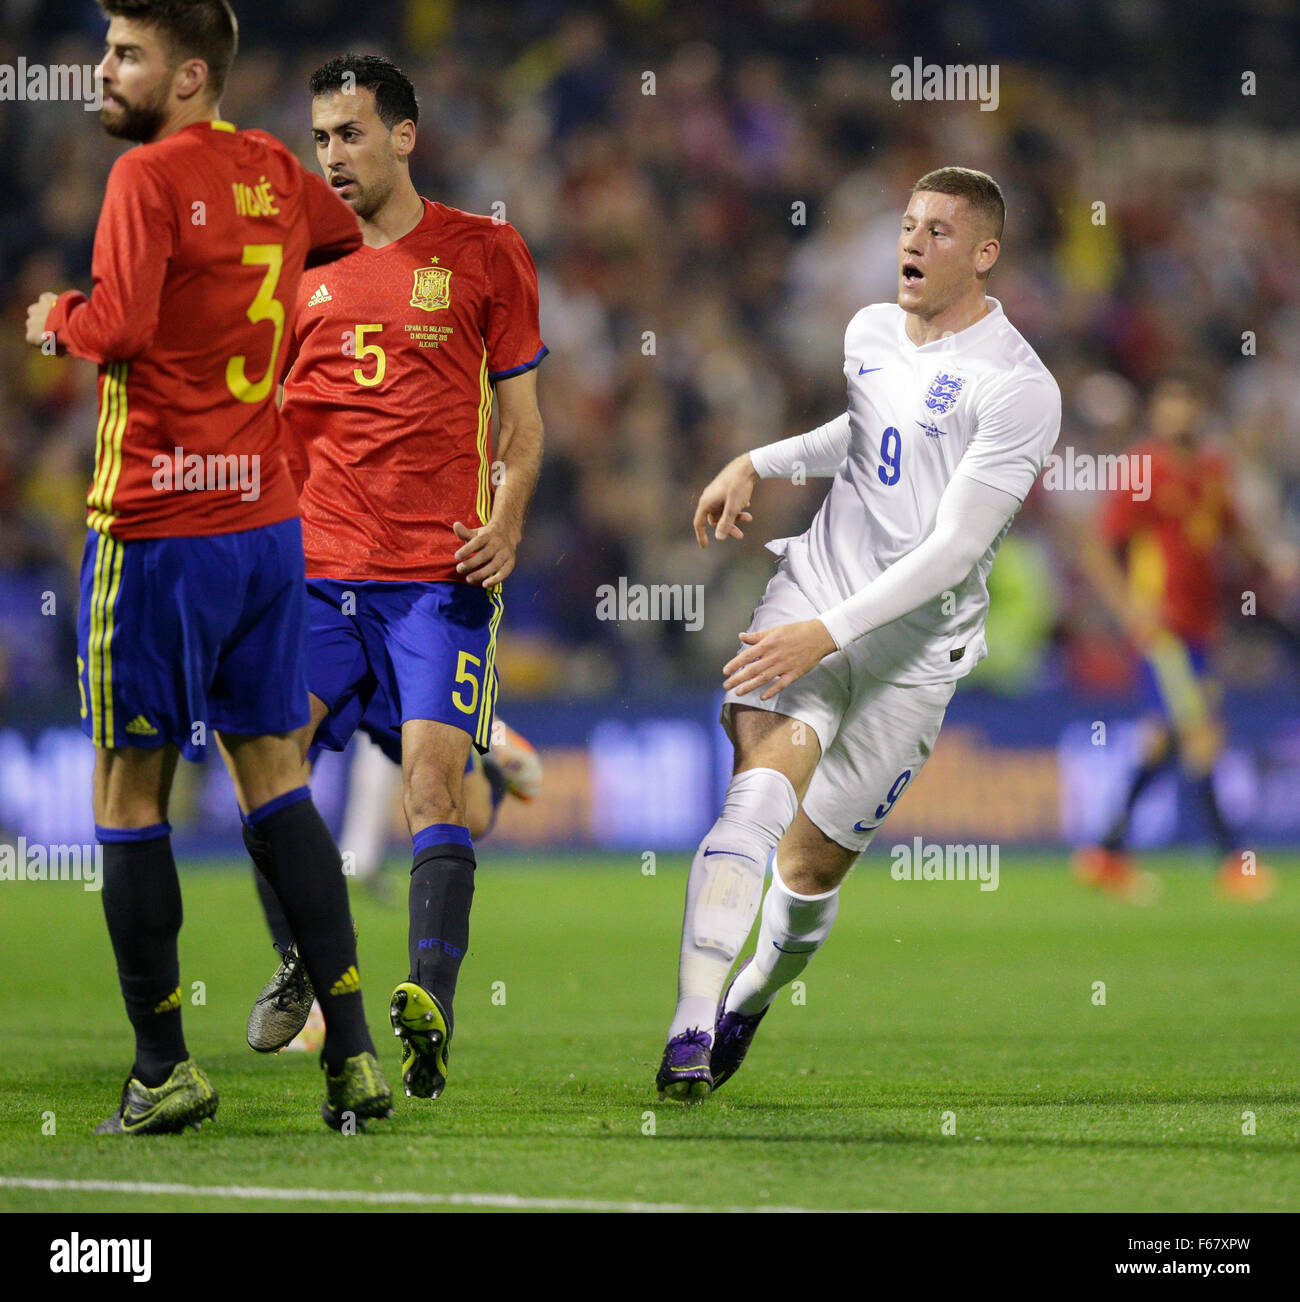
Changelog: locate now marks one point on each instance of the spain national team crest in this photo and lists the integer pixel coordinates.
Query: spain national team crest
(943, 392)
(432, 288)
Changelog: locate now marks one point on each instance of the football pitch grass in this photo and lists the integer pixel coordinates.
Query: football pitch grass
(934, 1007)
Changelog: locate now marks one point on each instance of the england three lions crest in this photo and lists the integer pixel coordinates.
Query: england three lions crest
(432, 288)
(943, 392)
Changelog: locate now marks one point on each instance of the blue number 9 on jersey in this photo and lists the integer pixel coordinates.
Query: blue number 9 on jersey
(891, 443)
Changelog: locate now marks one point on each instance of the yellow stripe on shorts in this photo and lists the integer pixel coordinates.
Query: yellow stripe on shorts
(99, 652)
(488, 703)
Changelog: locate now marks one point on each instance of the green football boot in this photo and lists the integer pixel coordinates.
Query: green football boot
(185, 1098)
(359, 1091)
(421, 1023)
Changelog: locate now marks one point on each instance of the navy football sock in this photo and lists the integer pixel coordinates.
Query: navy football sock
(306, 871)
(142, 906)
(442, 891)
(260, 853)
(1142, 779)
(1223, 834)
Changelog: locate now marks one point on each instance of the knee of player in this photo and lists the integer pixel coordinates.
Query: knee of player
(809, 875)
(432, 802)
(127, 812)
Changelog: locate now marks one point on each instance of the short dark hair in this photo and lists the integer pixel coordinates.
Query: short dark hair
(190, 29)
(395, 99)
(979, 189)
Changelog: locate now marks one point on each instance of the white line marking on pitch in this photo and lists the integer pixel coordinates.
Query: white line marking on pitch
(510, 1202)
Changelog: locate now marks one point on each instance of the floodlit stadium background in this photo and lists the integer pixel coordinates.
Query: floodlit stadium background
(701, 249)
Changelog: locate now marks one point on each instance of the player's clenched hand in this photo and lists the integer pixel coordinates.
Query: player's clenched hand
(783, 653)
(488, 555)
(36, 318)
(724, 501)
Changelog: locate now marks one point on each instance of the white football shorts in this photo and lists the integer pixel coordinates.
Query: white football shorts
(875, 736)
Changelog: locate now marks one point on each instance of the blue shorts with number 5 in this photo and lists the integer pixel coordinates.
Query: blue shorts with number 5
(428, 649)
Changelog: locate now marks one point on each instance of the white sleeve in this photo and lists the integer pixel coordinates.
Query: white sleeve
(820, 452)
(969, 519)
(1017, 427)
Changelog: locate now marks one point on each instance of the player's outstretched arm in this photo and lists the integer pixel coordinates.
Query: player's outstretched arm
(488, 555)
(817, 453)
(970, 517)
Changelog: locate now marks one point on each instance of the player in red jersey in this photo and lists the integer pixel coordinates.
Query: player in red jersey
(1166, 596)
(410, 521)
(193, 590)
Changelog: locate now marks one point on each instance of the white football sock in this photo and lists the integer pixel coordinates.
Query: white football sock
(793, 929)
(373, 782)
(724, 890)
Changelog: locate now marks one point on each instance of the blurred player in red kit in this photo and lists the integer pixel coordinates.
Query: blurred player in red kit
(1155, 559)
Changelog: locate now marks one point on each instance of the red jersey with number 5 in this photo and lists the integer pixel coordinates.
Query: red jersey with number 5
(200, 244)
(389, 400)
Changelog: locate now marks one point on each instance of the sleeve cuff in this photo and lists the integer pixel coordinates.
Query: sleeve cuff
(759, 460)
(494, 376)
(58, 317)
(839, 626)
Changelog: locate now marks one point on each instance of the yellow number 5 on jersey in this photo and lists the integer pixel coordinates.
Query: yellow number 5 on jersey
(365, 350)
(265, 307)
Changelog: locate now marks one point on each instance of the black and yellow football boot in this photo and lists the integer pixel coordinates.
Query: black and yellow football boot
(422, 1025)
(185, 1098)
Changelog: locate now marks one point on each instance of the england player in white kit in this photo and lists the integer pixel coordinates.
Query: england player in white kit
(836, 700)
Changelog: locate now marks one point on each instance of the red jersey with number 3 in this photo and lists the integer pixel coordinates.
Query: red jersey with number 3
(200, 243)
(389, 400)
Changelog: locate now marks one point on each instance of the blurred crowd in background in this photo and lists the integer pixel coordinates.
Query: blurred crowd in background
(710, 193)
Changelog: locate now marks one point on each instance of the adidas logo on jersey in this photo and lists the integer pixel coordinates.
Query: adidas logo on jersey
(322, 295)
(141, 727)
(348, 983)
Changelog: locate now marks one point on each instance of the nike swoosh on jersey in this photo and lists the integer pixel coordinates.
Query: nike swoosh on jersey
(870, 827)
(866, 370)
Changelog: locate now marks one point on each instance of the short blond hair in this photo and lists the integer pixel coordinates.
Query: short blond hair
(979, 190)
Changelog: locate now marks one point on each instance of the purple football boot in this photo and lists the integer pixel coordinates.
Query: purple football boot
(733, 1036)
(684, 1073)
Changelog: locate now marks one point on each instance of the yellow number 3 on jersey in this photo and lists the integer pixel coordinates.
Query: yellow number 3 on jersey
(265, 307)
